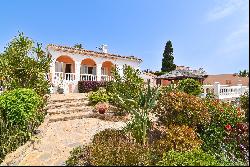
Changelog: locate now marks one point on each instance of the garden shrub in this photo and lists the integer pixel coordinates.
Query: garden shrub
(189, 86)
(139, 110)
(178, 138)
(87, 86)
(113, 148)
(24, 65)
(128, 86)
(224, 117)
(182, 109)
(195, 157)
(99, 96)
(240, 135)
(20, 113)
(20, 106)
(79, 156)
(244, 104)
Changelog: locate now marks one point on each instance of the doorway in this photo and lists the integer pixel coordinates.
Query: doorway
(68, 68)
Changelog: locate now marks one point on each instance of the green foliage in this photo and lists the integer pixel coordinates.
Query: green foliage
(223, 117)
(244, 104)
(24, 65)
(244, 73)
(168, 58)
(179, 138)
(112, 148)
(79, 46)
(195, 157)
(189, 86)
(98, 96)
(19, 106)
(78, 156)
(240, 134)
(127, 86)
(182, 109)
(140, 109)
(19, 115)
(158, 73)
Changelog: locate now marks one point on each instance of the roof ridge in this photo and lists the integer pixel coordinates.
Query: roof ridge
(85, 50)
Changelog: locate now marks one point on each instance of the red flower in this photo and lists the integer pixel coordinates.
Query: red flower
(228, 127)
(238, 109)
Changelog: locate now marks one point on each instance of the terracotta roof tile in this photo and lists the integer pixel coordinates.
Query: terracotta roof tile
(227, 79)
(89, 52)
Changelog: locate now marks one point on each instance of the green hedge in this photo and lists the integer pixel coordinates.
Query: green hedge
(19, 115)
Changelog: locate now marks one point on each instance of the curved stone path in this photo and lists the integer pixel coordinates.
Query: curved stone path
(57, 137)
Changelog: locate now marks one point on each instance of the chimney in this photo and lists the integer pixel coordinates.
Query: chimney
(104, 48)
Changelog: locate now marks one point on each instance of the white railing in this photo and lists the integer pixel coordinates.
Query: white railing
(69, 76)
(224, 91)
(106, 78)
(58, 75)
(88, 77)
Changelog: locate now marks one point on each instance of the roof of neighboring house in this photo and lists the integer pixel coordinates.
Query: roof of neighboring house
(179, 74)
(89, 52)
(226, 79)
(149, 74)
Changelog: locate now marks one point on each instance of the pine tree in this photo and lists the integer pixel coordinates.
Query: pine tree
(168, 58)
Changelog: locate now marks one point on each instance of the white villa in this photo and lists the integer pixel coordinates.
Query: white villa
(70, 65)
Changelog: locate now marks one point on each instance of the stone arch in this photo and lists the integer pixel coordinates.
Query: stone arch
(107, 67)
(88, 61)
(65, 64)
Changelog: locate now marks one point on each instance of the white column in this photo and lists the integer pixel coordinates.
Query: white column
(217, 89)
(77, 70)
(241, 90)
(52, 70)
(98, 71)
(120, 69)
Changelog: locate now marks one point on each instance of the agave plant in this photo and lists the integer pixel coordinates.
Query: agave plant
(139, 109)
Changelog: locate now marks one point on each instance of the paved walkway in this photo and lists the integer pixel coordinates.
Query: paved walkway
(58, 137)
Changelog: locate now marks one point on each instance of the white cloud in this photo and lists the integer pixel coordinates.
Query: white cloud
(226, 8)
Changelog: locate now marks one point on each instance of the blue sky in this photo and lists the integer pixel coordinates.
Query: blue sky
(213, 34)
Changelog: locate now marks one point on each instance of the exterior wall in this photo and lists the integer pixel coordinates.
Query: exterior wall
(146, 77)
(78, 60)
(225, 92)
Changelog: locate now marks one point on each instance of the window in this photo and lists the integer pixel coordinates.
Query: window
(104, 71)
(228, 81)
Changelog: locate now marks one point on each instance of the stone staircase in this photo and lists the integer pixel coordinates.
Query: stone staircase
(63, 109)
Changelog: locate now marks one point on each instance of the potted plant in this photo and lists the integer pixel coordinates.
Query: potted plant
(60, 89)
(101, 107)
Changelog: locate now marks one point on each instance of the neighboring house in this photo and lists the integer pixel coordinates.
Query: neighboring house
(70, 65)
(181, 72)
(226, 87)
(149, 77)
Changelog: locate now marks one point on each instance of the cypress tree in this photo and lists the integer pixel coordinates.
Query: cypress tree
(168, 58)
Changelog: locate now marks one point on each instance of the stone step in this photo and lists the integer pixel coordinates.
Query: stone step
(69, 110)
(67, 100)
(72, 116)
(71, 104)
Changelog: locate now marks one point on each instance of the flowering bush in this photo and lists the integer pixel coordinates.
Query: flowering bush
(182, 109)
(87, 86)
(224, 118)
(240, 136)
(244, 102)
